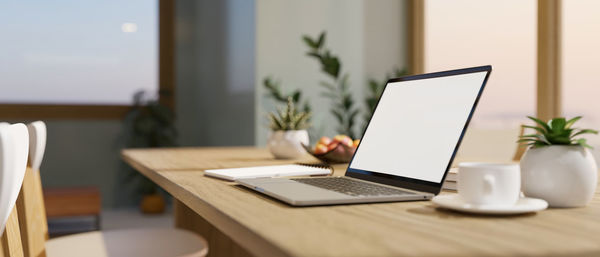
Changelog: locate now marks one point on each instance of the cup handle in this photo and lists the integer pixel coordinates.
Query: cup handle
(488, 184)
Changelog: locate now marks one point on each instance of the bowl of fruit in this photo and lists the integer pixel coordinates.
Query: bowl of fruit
(340, 149)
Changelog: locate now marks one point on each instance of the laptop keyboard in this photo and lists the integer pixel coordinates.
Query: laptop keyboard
(351, 187)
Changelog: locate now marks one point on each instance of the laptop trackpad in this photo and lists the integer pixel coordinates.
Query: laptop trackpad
(297, 191)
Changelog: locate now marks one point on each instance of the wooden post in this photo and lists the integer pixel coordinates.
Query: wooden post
(416, 33)
(549, 60)
(166, 46)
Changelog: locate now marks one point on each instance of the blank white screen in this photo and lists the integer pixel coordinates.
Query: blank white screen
(416, 126)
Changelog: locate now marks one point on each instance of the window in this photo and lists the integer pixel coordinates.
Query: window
(111, 48)
(462, 33)
(580, 55)
(74, 52)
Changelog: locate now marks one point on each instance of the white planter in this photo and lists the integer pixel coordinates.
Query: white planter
(564, 176)
(287, 144)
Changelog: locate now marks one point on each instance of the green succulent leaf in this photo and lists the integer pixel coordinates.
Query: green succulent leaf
(583, 142)
(572, 121)
(538, 129)
(540, 123)
(556, 131)
(557, 124)
(585, 131)
(289, 118)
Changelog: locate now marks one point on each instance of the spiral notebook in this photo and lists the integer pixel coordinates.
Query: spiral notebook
(289, 170)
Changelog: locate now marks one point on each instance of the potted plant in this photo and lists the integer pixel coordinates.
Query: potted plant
(148, 124)
(558, 167)
(288, 132)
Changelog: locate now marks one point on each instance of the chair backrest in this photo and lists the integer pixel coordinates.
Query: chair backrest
(37, 143)
(30, 205)
(14, 145)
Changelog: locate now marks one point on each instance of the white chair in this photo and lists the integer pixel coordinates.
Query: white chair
(13, 160)
(132, 242)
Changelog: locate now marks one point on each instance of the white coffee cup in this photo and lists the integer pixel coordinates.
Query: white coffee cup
(489, 183)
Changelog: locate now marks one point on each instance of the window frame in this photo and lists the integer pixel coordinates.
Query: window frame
(166, 79)
(548, 97)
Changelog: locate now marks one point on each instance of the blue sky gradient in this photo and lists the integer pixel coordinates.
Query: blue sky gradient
(69, 51)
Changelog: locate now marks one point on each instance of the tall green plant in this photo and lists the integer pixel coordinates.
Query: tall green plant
(337, 88)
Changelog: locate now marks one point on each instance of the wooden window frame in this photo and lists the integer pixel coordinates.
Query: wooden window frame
(166, 79)
(549, 100)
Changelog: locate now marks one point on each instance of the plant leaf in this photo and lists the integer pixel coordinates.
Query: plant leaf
(311, 43)
(557, 125)
(330, 64)
(275, 123)
(307, 107)
(315, 55)
(296, 96)
(338, 115)
(585, 131)
(571, 121)
(321, 40)
(526, 140)
(373, 85)
(583, 142)
(538, 129)
(541, 123)
(348, 102)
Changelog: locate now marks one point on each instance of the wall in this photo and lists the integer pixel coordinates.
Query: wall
(367, 35)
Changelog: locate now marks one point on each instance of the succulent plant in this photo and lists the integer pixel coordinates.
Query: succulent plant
(557, 131)
(290, 118)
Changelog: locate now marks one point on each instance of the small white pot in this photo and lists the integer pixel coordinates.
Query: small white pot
(287, 144)
(564, 176)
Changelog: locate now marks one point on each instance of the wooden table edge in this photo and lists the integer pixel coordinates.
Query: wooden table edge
(243, 236)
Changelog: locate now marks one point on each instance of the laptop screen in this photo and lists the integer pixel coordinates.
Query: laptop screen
(418, 124)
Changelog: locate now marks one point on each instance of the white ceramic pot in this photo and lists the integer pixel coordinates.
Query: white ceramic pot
(564, 176)
(287, 144)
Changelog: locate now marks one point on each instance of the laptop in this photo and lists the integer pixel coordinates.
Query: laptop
(407, 147)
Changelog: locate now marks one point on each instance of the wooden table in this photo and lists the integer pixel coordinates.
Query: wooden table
(239, 222)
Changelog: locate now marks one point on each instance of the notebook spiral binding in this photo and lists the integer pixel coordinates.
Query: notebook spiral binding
(318, 165)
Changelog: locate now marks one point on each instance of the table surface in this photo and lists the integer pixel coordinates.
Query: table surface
(267, 227)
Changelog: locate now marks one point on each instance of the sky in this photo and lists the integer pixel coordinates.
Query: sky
(69, 51)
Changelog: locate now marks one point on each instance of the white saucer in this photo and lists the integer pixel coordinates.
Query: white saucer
(524, 205)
